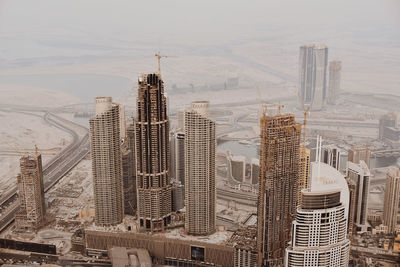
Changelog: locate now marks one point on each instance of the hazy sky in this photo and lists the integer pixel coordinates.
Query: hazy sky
(202, 21)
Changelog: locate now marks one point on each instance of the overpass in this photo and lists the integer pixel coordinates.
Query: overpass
(53, 170)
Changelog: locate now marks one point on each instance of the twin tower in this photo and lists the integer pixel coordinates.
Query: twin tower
(151, 162)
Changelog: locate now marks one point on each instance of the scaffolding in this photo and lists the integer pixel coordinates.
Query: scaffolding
(278, 186)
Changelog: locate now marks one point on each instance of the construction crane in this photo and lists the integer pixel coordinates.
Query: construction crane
(306, 112)
(159, 56)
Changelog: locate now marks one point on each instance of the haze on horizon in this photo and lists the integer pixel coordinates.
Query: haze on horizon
(40, 36)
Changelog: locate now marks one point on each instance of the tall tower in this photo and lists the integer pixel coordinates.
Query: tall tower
(313, 61)
(129, 171)
(391, 201)
(200, 194)
(359, 174)
(107, 163)
(180, 157)
(152, 154)
(278, 185)
(30, 193)
(335, 68)
(304, 176)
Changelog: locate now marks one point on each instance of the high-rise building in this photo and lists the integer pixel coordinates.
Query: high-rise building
(180, 157)
(320, 229)
(152, 154)
(31, 213)
(107, 163)
(352, 206)
(200, 194)
(358, 153)
(278, 185)
(304, 176)
(129, 171)
(391, 201)
(331, 156)
(335, 68)
(359, 174)
(313, 61)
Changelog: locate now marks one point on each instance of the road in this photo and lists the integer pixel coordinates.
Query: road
(53, 170)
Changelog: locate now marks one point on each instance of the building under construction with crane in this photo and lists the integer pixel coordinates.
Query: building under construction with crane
(278, 185)
(152, 154)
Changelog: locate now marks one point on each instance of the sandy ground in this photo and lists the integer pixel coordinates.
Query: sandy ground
(21, 131)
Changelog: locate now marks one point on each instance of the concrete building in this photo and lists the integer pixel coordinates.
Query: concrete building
(245, 244)
(129, 257)
(335, 68)
(389, 129)
(32, 210)
(313, 61)
(331, 156)
(178, 196)
(391, 201)
(304, 176)
(279, 175)
(352, 206)
(200, 191)
(320, 229)
(255, 170)
(358, 153)
(238, 167)
(180, 157)
(129, 171)
(359, 174)
(106, 163)
(152, 154)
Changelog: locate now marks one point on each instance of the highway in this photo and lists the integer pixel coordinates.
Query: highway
(53, 170)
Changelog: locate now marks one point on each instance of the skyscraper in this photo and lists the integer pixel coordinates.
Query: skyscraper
(32, 209)
(331, 156)
(358, 153)
(152, 154)
(320, 228)
(200, 194)
(359, 174)
(391, 201)
(313, 62)
(129, 171)
(180, 157)
(278, 185)
(304, 176)
(335, 68)
(107, 163)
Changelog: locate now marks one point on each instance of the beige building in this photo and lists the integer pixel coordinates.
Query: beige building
(335, 68)
(31, 213)
(200, 194)
(106, 163)
(279, 175)
(304, 176)
(153, 154)
(358, 153)
(391, 201)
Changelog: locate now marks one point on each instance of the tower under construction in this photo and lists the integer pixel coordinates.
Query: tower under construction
(152, 154)
(30, 193)
(278, 185)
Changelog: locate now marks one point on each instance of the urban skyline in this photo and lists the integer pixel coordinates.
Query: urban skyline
(199, 134)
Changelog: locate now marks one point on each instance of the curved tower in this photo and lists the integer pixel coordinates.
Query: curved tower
(320, 228)
(106, 163)
(152, 154)
(200, 145)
